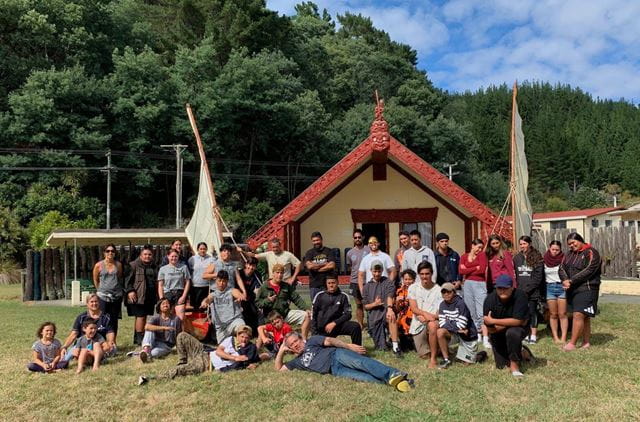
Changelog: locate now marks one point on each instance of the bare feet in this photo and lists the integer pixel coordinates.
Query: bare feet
(569, 347)
(433, 364)
(585, 345)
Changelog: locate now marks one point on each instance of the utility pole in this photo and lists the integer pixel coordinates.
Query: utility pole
(178, 148)
(451, 172)
(108, 170)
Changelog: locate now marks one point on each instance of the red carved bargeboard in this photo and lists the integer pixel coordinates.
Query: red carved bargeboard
(377, 147)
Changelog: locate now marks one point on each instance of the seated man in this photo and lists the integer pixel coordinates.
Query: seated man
(506, 312)
(332, 313)
(226, 311)
(424, 301)
(160, 332)
(271, 335)
(275, 295)
(327, 355)
(457, 327)
(377, 297)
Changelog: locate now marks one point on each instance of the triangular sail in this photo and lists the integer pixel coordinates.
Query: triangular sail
(521, 206)
(204, 225)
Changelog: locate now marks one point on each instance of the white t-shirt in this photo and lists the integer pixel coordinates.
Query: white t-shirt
(365, 264)
(286, 258)
(551, 274)
(229, 347)
(427, 300)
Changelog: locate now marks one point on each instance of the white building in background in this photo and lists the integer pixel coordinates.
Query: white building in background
(581, 221)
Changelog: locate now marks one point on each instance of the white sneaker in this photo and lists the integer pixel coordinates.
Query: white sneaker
(517, 374)
(486, 344)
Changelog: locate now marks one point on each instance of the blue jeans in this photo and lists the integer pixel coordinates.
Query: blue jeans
(349, 364)
(158, 348)
(555, 291)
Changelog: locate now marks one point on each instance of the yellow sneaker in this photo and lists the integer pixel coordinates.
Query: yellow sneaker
(403, 386)
(397, 379)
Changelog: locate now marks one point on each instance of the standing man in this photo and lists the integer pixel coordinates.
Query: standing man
(277, 255)
(353, 258)
(403, 238)
(332, 314)
(447, 263)
(417, 254)
(506, 313)
(140, 286)
(319, 261)
(364, 271)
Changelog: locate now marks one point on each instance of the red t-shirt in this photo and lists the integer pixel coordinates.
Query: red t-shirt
(275, 287)
(278, 335)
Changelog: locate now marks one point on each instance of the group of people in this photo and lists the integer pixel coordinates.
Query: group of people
(430, 301)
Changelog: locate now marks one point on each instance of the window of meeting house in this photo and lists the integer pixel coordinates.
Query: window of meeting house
(425, 229)
(608, 223)
(562, 224)
(594, 223)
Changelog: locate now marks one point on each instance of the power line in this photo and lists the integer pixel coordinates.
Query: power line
(156, 156)
(163, 172)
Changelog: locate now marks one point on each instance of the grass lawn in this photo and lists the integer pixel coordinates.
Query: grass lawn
(599, 384)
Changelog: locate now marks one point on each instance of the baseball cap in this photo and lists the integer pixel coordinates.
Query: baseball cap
(447, 287)
(504, 280)
(377, 263)
(442, 236)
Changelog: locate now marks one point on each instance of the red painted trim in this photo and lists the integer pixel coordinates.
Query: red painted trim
(394, 216)
(468, 229)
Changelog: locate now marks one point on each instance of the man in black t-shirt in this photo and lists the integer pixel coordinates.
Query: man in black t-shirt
(327, 355)
(506, 312)
(319, 261)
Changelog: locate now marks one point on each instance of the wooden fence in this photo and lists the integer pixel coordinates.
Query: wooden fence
(617, 247)
(48, 270)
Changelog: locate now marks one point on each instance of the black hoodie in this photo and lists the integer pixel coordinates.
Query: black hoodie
(330, 307)
(529, 279)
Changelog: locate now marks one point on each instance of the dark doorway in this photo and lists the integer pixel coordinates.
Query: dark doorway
(378, 230)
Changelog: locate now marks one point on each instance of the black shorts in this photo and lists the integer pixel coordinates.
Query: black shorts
(197, 295)
(355, 291)
(140, 310)
(585, 302)
(174, 296)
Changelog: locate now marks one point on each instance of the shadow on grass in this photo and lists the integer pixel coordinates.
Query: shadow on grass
(602, 338)
(538, 362)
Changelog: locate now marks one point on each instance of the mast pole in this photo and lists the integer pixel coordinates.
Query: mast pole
(203, 160)
(513, 165)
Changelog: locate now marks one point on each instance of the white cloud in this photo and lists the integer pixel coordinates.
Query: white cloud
(467, 44)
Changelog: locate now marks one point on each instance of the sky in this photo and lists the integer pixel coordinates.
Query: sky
(468, 44)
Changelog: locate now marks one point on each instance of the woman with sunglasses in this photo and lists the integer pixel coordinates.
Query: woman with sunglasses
(107, 277)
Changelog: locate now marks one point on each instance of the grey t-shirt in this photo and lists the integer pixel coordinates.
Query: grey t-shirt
(85, 343)
(383, 289)
(47, 352)
(167, 336)
(315, 357)
(174, 278)
(230, 267)
(224, 308)
(197, 265)
(354, 257)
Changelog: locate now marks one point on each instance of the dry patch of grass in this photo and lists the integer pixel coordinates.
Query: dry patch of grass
(600, 384)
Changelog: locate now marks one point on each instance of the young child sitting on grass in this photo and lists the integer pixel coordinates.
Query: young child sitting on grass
(89, 346)
(47, 351)
(271, 335)
(403, 310)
